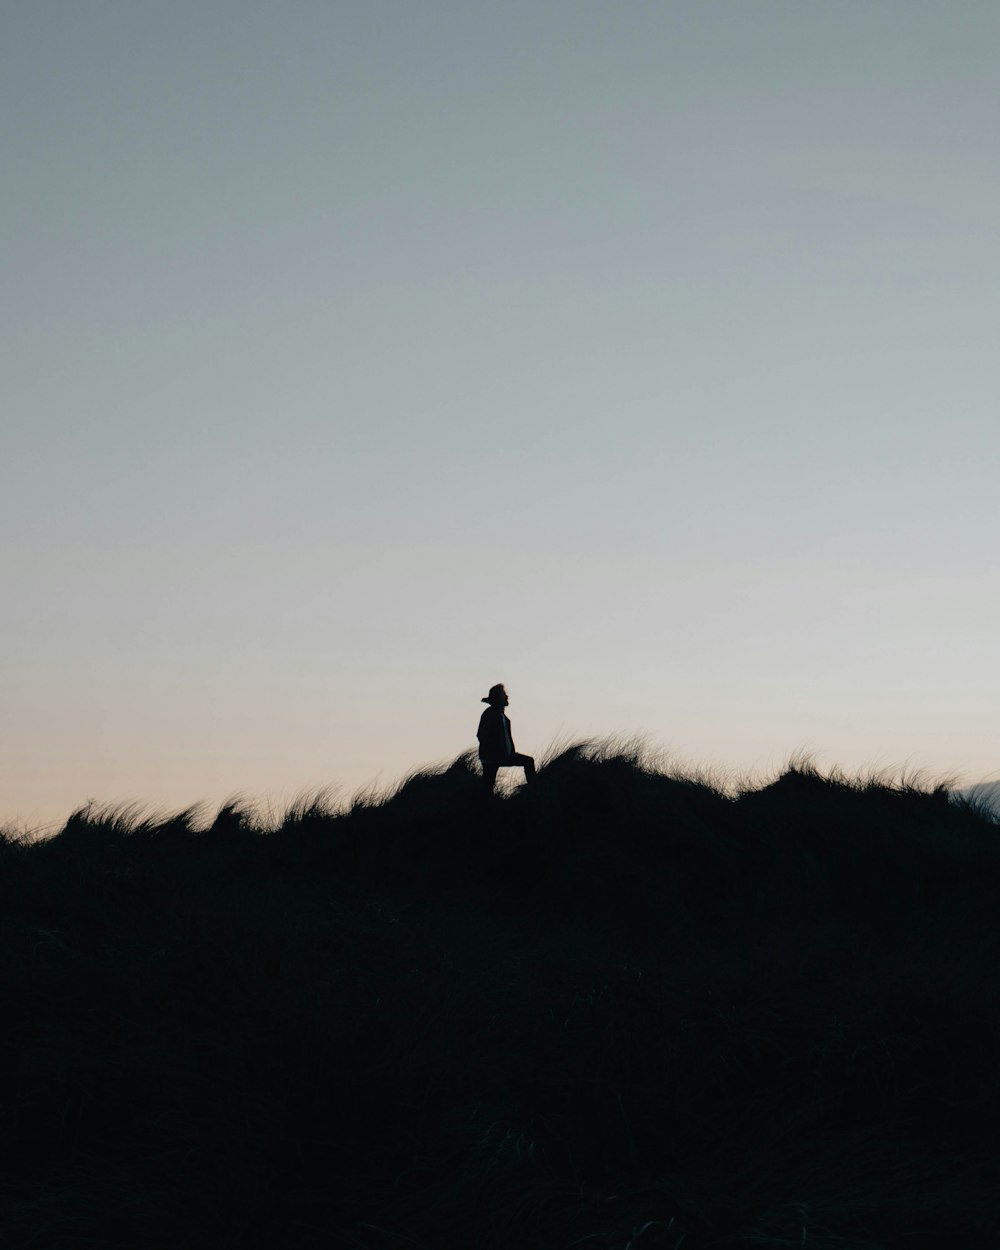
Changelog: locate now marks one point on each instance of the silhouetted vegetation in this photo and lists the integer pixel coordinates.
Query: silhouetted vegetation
(621, 1010)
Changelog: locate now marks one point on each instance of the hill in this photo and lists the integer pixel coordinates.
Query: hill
(986, 796)
(619, 1010)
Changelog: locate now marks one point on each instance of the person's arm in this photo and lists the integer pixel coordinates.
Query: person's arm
(490, 734)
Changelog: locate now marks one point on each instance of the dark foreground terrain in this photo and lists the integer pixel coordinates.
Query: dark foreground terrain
(619, 1011)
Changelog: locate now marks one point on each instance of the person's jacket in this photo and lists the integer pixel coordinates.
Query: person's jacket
(492, 740)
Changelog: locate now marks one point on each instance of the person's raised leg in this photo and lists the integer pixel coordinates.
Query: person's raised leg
(528, 764)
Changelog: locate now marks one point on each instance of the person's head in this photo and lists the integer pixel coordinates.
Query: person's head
(497, 696)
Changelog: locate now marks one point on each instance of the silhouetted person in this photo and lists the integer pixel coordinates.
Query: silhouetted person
(496, 746)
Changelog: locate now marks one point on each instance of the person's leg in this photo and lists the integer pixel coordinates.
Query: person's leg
(527, 763)
(489, 774)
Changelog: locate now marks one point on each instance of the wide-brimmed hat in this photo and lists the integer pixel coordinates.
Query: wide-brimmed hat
(494, 694)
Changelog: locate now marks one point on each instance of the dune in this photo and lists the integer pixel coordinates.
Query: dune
(624, 1007)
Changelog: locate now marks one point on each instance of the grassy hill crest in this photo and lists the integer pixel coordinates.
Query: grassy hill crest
(625, 1008)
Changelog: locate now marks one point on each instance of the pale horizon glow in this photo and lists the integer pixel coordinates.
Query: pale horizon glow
(359, 356)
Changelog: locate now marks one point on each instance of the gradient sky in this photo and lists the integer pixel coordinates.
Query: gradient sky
(357, 356)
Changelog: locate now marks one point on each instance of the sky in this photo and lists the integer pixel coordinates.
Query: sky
(359, 355)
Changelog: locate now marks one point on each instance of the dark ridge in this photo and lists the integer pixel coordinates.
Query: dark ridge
(622, 1009)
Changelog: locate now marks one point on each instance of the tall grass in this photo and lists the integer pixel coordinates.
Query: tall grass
(627, 1008)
